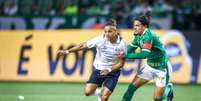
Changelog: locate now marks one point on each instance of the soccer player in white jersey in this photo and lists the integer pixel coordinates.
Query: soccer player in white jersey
(107, 62)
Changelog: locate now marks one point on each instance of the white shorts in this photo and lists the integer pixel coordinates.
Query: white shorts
(161, 78)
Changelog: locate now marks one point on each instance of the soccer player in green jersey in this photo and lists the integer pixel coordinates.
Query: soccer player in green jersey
(157, 67)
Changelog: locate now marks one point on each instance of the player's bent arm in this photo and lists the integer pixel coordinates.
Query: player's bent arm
(131, 49)
(118, 65)
(77, 47)
(140, 55)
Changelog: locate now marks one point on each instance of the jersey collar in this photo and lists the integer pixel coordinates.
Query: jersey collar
(144, 31)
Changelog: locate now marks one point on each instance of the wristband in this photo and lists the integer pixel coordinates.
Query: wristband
(66, 51)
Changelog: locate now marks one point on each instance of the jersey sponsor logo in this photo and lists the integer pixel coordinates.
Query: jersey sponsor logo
(29, 58)
(178, 56)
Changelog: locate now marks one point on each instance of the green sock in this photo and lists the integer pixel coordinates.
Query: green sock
(160, 99)
(129, 93)
(167, 90)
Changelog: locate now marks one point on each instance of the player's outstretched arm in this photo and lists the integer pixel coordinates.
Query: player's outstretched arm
(131, 49)
(72, 49)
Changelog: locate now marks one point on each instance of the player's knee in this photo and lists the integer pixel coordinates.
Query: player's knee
(104, 97)
(87, 93)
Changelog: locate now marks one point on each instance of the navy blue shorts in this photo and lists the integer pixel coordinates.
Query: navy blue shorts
(108, 81)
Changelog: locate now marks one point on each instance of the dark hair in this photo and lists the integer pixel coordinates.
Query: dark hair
(111, 22)
(147, 13)
(143, 19)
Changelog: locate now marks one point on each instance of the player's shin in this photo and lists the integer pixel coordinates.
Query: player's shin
(129, 92)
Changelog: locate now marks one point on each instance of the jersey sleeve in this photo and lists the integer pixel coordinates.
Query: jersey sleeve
(94, 42)
(147, 43)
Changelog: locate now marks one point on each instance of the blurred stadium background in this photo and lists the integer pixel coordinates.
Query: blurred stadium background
(31, 31)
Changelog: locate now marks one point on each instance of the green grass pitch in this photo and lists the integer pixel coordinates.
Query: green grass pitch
(9, 91)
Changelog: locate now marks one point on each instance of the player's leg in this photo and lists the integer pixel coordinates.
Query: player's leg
(136, 83)
(160, 77)
(168, 94)
(109, 85)
(90, 88)
(142, 77)
(94, 81)
(158, 93)
(105, 94)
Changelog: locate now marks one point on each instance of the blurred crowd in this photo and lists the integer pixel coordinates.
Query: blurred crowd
(184, 14)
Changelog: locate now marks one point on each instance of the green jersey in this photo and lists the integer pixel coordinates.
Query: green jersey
(151, 48)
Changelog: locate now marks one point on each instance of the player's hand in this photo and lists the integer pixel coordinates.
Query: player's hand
(62, 52)
(104, 72)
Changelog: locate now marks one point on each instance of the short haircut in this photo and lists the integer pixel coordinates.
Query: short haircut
(111, 22)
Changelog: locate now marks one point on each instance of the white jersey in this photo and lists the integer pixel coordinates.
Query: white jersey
(106, 55)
